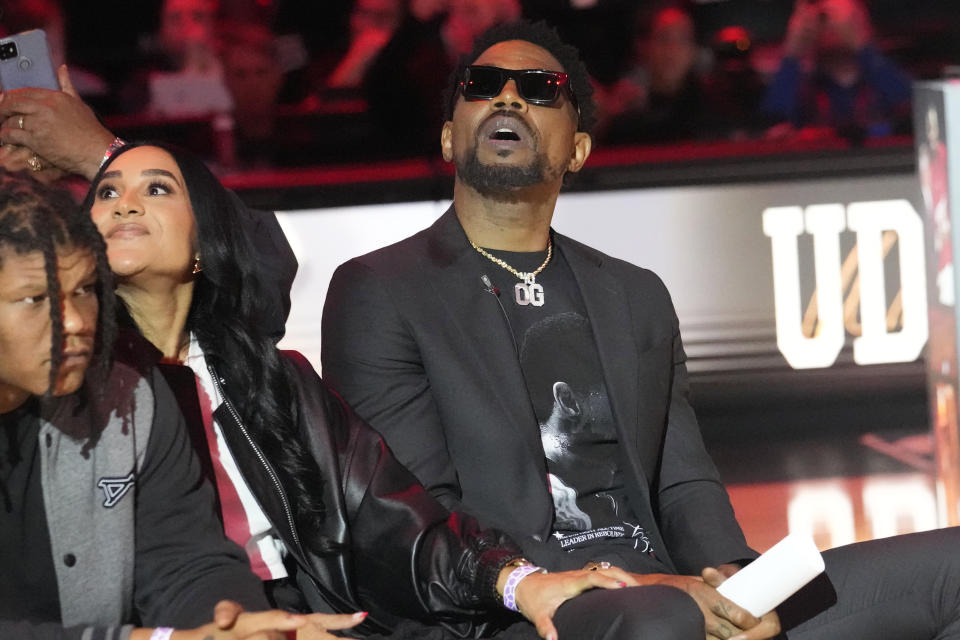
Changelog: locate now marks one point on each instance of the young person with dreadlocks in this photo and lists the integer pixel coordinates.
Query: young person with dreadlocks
(104, 517)
(331, 522)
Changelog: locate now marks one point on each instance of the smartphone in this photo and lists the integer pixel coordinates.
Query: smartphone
(25, 61)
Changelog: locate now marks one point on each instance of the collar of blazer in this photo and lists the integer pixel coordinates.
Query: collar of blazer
(604, 296)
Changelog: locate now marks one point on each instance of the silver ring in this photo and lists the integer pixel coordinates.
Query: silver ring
(20, 121)
(34, 163)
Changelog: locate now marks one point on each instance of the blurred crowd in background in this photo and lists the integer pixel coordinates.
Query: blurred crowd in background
(279, 83)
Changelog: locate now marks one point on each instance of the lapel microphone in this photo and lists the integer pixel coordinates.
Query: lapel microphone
(488, 285)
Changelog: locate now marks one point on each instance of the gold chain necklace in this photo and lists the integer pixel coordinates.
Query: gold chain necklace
(527, 291)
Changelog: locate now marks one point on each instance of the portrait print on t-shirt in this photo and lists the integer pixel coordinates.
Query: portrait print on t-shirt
(565, 382)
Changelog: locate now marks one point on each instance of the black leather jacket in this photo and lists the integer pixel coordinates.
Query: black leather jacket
(404, 557)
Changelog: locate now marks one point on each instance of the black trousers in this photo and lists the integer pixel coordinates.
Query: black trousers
(637, 613)
(900, 588)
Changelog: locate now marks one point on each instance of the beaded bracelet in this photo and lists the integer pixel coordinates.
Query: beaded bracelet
(510, 588)
(162, 633)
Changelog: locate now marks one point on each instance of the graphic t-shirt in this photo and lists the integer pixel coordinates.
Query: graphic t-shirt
(565, 383)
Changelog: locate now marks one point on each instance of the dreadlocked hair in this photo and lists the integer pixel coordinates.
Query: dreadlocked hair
(545, 36)
(225, 315)
(45, 218)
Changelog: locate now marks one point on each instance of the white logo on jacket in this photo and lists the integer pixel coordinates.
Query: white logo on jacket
(115, 488)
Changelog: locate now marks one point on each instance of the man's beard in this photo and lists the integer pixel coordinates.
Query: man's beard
(500, 180)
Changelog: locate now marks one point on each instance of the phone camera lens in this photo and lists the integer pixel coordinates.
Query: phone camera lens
(8, 50)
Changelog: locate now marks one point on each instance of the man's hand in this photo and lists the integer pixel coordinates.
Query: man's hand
(15, 158)
(767, 627)
(726, 570)
(723, 619)
(57, 126)
(540, 594)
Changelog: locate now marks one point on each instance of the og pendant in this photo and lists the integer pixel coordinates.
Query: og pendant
(527, 291)
(528, 294)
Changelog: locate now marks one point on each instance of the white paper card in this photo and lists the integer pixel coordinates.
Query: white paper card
(776, 575)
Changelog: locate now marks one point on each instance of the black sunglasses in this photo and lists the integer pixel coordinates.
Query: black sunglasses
(536, 86)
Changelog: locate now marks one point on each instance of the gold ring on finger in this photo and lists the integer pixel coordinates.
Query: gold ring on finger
(35, 163)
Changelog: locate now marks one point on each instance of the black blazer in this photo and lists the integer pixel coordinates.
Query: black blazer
(420, 349)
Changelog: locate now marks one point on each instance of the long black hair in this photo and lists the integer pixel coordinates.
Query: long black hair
(227, 316)
(46, 218)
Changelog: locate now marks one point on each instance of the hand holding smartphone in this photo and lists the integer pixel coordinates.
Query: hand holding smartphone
(25, 61)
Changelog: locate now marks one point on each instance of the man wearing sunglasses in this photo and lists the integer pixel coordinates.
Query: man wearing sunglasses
(431, 341)
(458, 342)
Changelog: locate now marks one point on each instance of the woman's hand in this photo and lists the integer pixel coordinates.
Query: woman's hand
(540, 594)
(229, 616)
(318, 624)
(231, 622)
